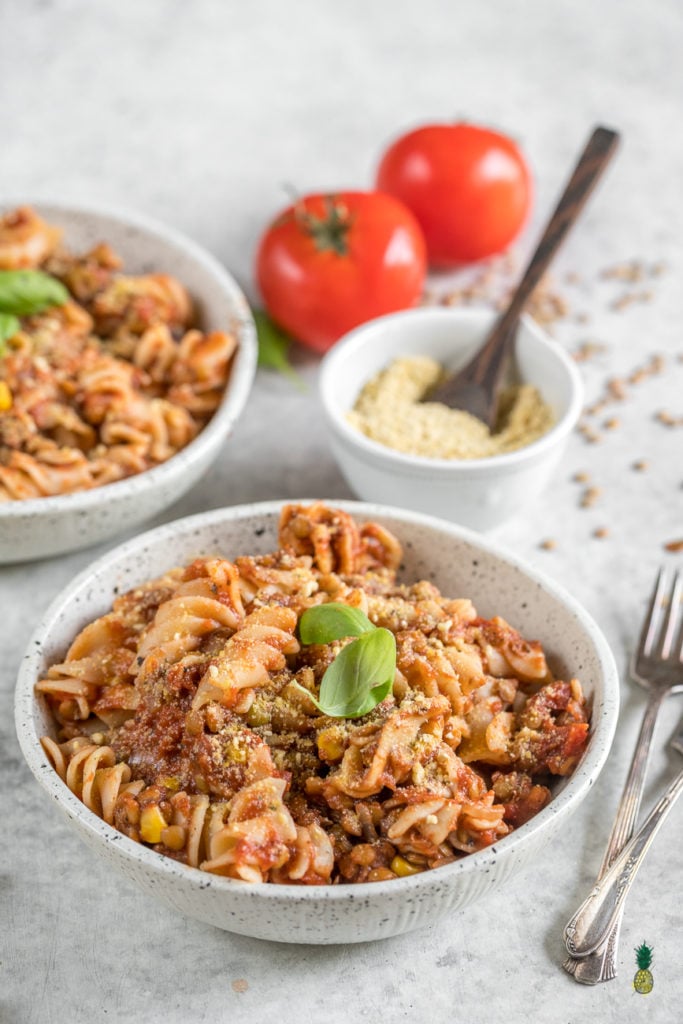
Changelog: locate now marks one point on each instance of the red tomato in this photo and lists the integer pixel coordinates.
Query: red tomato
(469, 187)
(331, 262)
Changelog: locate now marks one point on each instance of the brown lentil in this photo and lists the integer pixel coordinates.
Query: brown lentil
(668, 420)
(590, 496)
(631, 270)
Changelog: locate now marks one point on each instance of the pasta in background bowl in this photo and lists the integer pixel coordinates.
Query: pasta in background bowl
(127, 478)
(457, 562)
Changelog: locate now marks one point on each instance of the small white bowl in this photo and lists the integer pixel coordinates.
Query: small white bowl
(38, 527)
(461, 564)
(479, 493)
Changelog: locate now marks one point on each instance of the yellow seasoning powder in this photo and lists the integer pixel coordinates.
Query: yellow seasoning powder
(389, 410)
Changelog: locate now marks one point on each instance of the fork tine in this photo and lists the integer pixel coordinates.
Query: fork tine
(672, 617)
(651, 622)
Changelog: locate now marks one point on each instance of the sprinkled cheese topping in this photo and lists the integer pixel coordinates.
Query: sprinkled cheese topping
(389, 410)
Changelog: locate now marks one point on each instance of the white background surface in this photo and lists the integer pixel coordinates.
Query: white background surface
(199, 113)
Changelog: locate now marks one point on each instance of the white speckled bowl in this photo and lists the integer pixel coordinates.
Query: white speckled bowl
(48, 526)
(478, 493)
(459, 562)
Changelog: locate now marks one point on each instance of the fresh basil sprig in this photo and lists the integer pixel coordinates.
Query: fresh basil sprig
(25, 292)
(324, 623)
(9, 325)
(273, 348)
(362, 674)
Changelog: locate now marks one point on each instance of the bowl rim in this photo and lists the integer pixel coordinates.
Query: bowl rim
(235, 395)
(374, 452)
(576, 788)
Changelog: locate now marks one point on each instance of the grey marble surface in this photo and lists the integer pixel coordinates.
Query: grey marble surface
(198, 114)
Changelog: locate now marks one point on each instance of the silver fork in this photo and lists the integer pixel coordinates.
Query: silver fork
(595, 917)
(657, 666)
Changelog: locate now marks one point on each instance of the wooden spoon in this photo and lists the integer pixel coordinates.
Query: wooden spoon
(476, 387)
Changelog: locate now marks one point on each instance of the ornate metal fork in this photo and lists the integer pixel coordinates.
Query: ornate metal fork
(595, 917)
(657, 665)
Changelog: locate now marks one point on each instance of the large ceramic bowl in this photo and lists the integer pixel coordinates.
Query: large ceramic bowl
(478, 493)
(459, 562)
(47, 526)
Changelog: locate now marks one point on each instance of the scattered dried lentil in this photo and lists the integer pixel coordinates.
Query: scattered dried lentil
(491, 286)
(667, 419)
(616, 388)
(590, 496)
(630, 270)
(588, 434)
(587, 350)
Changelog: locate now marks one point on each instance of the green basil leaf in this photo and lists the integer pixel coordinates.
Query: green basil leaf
(9, 325)
(25, 292)
(273, 346)
(333, 621)
(360, 677)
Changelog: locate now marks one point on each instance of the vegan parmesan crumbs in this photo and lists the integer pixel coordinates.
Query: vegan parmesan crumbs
(389, 410)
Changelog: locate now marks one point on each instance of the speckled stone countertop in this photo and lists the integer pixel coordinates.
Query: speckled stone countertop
(198, 114)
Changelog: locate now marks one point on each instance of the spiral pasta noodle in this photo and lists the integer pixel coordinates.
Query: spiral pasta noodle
(185, 717)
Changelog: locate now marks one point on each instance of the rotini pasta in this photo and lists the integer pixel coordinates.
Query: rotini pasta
(185, 717)
(114, 382)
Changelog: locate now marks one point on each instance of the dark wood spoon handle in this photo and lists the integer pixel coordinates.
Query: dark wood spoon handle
(598, 152)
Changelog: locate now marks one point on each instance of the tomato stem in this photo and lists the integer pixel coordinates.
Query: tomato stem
(329, 232)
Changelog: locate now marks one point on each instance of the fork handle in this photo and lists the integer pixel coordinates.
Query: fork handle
(593, 161)
(596, 916)
(629, 805)
(485, 368)
(626, 816)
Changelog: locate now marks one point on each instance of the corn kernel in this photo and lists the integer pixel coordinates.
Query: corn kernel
(170, 782)
(330, 745)
(152, 824)
(5, 397)
(403, 868)
(174, 837)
